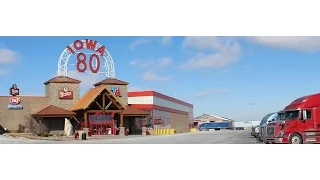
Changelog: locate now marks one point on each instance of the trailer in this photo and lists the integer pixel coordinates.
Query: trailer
(215, 126)
(241, 125)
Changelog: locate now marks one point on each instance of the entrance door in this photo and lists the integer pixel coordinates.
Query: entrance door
(101, 124)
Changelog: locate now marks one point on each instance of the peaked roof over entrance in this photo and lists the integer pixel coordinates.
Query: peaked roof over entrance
(54, 111)
(92, 94)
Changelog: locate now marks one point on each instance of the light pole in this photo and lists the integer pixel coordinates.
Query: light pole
(251, 104)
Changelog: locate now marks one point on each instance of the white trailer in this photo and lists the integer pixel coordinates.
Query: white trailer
(242, 125)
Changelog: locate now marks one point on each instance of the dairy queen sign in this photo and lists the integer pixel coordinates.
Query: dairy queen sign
(14, 102)
(65, 94)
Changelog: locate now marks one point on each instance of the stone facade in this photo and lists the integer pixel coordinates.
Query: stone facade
(11, 119)
(123, 92)
(54, 126)
(52, 92)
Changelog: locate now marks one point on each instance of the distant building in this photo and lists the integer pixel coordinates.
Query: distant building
(205, 118)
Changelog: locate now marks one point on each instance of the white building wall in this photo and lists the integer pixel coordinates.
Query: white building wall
(140, 100)
(161, 102)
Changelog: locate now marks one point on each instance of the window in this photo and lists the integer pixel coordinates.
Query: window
(309, 114)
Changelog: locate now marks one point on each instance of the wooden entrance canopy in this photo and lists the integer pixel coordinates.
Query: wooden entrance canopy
(103, 99)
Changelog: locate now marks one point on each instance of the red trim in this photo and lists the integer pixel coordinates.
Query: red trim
(151, 106)
(159, 95)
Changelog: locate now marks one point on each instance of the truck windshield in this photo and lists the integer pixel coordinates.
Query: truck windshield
(281, 116)
(264, 120)
(291, 115)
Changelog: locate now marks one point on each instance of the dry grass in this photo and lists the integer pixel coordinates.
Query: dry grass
(31, 136)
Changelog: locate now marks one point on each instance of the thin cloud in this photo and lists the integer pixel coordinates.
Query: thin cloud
(300, 43)
(87, 79)
(166, 40)
(154, 64)
(220, 52)
(8, 56)
(4, 72)
(151, 76)
(210, 92)
(139, 41)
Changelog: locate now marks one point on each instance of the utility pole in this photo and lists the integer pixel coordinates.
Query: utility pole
(251, 104)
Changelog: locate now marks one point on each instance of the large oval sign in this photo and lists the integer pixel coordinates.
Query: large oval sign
(15, 101)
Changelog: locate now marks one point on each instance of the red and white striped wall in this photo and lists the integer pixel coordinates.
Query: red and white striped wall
(155, 100)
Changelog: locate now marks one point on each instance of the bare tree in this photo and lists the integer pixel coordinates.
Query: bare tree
(32, 125)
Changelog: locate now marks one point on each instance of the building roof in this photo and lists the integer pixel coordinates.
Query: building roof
(111, 81)
(84, 102)
(131, 111)
(62, 79)
(54, 111)
(208, 117)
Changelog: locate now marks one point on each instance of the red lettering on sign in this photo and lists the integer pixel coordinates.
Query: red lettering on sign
(117, 93)
(70, 49)
(82, 65)
(98, 63)
(81, 61)
(65, 94)
(91, 44)
(82, 58)
(78, 45)
(101, 50)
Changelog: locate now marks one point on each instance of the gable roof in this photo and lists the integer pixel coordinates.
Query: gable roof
(111, 81)
(84, 102)
(54, 111)
(62, 79)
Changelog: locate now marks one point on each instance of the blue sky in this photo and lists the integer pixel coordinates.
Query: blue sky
(218, 75)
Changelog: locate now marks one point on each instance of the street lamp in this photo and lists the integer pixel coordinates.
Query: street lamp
(251, 104)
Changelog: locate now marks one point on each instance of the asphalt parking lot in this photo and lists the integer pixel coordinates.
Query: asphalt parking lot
(204, 137)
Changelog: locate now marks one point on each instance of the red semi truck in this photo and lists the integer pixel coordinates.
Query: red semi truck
(300, 123)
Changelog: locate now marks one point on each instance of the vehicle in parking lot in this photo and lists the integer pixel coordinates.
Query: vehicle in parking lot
(300, 123)
(255, 131)
(215, 126)
(262, 134)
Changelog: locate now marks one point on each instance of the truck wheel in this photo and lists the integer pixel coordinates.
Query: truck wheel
(295, 139)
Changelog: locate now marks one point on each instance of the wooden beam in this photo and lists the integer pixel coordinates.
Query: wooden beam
(97, 111)
(103, 102)
(99, 105)
(121, 119)
(111, 99)
(86, 123)
(106, 108)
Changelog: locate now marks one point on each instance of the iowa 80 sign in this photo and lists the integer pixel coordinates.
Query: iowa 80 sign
(97, 61)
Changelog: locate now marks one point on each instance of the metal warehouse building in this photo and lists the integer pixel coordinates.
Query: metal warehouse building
(164, 110)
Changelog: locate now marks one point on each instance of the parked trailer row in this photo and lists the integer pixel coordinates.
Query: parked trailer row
(215, 126)
(297, 123)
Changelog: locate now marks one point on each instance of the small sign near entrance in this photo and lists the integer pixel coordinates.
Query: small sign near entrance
(15, 103)
(14, 90)
(65, 94)
(116, 91)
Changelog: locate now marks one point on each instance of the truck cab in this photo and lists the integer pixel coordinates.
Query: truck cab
(256, 131)
(300, 123)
